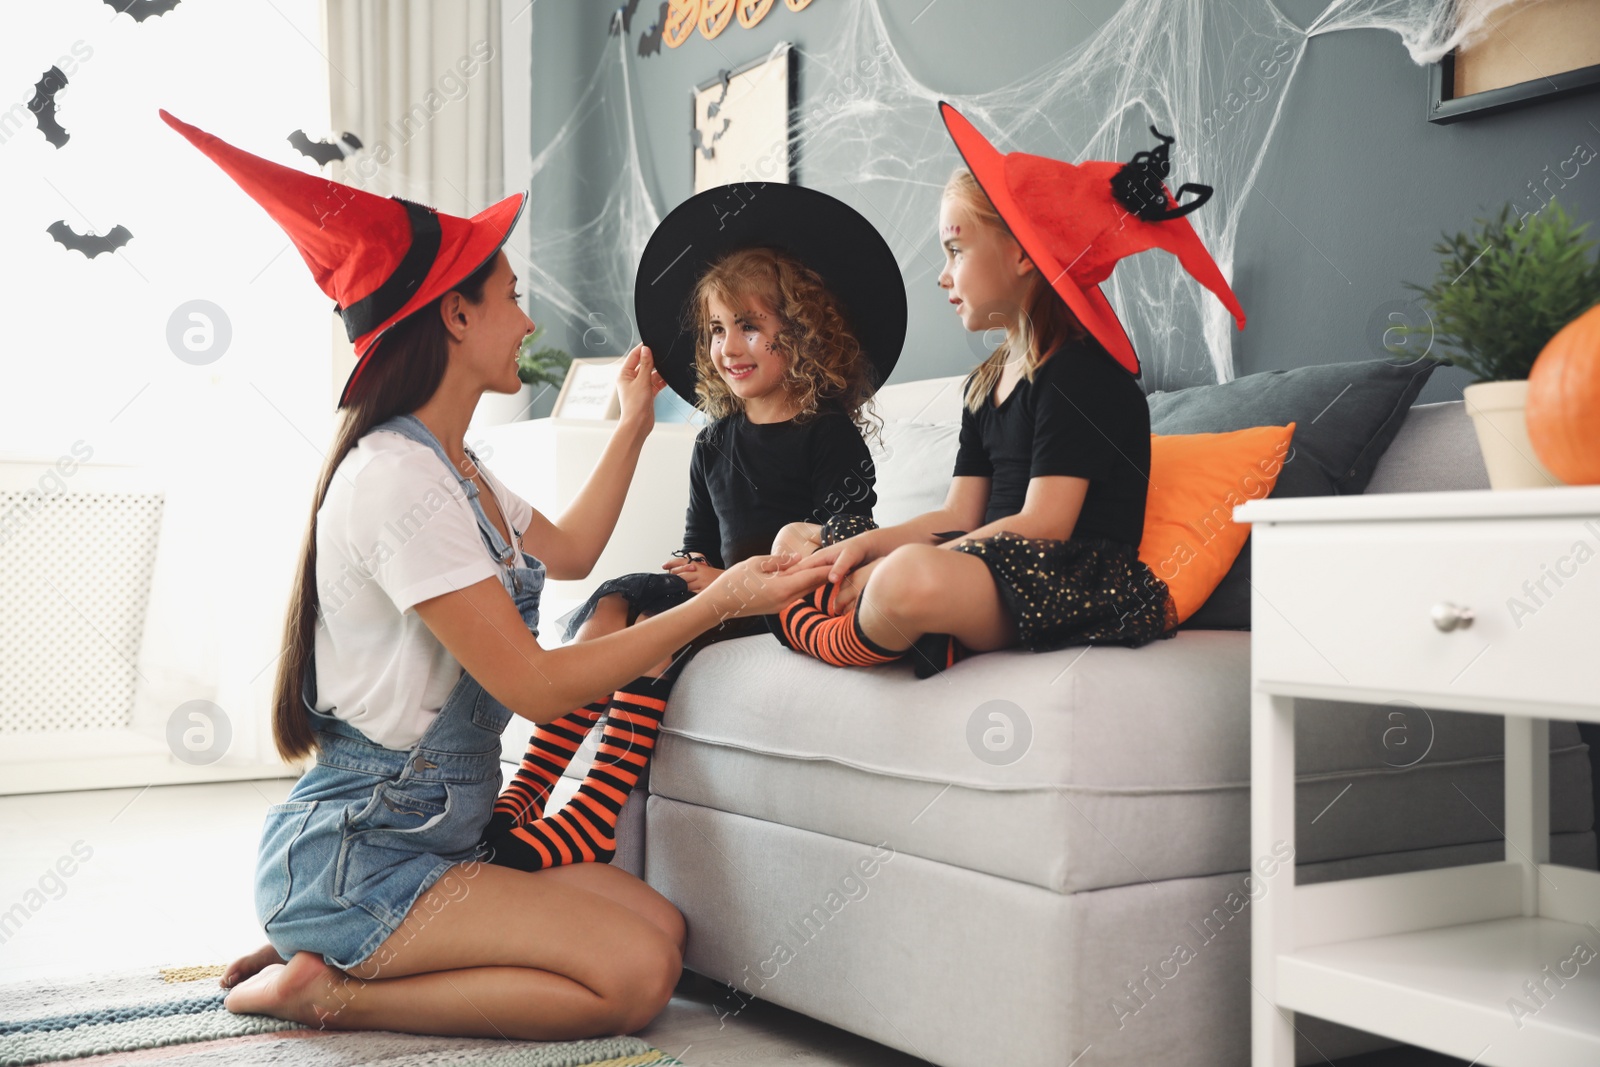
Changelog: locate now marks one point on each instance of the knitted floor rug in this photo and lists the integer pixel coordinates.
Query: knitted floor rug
(175, 1016)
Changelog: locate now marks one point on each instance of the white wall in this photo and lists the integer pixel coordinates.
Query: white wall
(86, 359)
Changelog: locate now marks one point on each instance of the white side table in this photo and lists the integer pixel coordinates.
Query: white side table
(1482, 601)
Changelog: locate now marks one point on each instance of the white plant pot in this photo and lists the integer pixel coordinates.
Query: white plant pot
(1496, 410)
(496, 408)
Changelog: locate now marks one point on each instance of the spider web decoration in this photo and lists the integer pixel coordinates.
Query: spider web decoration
(1212, 73)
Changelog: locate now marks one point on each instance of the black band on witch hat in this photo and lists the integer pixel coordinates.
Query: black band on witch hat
(371, 310)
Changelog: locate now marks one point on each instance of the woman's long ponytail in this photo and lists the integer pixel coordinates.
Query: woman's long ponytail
(403, 374)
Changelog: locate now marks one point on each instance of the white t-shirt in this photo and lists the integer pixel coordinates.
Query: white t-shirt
(395, 529)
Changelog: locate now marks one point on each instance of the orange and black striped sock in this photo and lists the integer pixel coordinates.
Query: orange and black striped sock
(835, 639)
(585, 830)
(932, 653)
(550, 749)
(801, 609)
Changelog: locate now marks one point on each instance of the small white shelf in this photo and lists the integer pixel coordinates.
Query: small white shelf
(1453, 989)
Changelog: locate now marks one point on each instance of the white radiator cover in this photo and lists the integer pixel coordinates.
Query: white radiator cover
(75, 570)
(83, 702)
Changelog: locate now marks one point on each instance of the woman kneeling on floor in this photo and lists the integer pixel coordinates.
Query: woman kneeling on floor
(410, 643)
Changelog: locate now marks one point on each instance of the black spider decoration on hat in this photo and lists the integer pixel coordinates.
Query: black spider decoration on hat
(1139, 184)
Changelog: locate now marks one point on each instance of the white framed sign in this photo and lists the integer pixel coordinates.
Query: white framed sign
(589, 390)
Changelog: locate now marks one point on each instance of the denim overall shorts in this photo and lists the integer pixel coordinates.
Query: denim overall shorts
(368, 829)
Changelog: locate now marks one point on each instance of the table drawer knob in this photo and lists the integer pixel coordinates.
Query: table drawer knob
(1448, 616)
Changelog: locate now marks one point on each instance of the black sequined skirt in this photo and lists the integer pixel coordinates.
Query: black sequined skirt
(1086, 591)
(842, 526)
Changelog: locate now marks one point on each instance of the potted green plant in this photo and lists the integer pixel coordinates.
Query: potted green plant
(1502, 292)
(538, 364)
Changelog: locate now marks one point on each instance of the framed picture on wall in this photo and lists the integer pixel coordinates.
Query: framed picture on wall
(1537, 51)
(743, 123)
(589, 390)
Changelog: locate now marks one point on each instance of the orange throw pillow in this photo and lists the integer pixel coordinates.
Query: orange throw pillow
(1190, 539)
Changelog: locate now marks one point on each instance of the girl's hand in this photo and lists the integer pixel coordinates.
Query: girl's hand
(841, 557)
(697, 573)
(850, 587)
(759, 585)
(638, 382)
(797, 539)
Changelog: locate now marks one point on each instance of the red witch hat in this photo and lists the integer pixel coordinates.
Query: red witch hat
(380, 258)
(1075, 221)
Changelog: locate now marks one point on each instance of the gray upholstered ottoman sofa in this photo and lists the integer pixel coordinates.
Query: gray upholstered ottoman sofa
(1039, 859)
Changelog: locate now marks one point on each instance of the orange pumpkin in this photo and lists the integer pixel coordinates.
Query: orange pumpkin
(714, 17)
(752, 12)
(682, 17)
(797, 5)
(1563, 406)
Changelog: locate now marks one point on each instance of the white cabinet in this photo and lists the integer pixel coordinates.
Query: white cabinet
(1482, 601)
(547, 462)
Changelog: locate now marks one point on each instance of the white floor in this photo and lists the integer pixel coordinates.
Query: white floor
(167, 882)
(167, 878)
(162, 876)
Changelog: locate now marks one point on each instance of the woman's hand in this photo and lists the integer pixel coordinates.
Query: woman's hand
(696, 572)
(759, 585)
(638, 382)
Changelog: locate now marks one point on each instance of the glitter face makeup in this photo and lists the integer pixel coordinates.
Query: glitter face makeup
(978, 277)
(745, 353)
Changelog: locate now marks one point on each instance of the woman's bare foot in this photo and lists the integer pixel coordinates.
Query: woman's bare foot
(248, 966)
(304, 990)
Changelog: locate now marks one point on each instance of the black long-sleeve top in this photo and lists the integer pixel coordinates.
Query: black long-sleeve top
(1081, 416)
(748, 480)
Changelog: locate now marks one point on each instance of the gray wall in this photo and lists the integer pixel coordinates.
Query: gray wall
(1355, 190)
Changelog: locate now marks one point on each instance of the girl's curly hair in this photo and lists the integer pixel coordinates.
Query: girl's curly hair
(823, 361)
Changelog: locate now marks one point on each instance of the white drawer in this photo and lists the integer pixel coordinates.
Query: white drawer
(1349, 605)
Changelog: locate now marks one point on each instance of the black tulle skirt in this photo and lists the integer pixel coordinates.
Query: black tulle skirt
(653, 593)
(646, 594)
(1086, 591)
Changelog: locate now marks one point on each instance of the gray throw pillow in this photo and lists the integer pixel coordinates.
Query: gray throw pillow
(1345, 415)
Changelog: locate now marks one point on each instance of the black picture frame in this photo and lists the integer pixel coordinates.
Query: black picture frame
(1444, 108)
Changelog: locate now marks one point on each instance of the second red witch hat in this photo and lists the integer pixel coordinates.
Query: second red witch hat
(1075, 221)
(379, 258)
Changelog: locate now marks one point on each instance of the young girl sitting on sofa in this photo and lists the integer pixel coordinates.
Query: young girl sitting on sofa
(778, 358)
(1037, 544)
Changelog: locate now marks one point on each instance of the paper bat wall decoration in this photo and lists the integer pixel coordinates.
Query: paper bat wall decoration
(622, 18)
(325, 152)
(90, 245)
(650, 40)
(708, 150)
(43, 106)
(142, 9)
